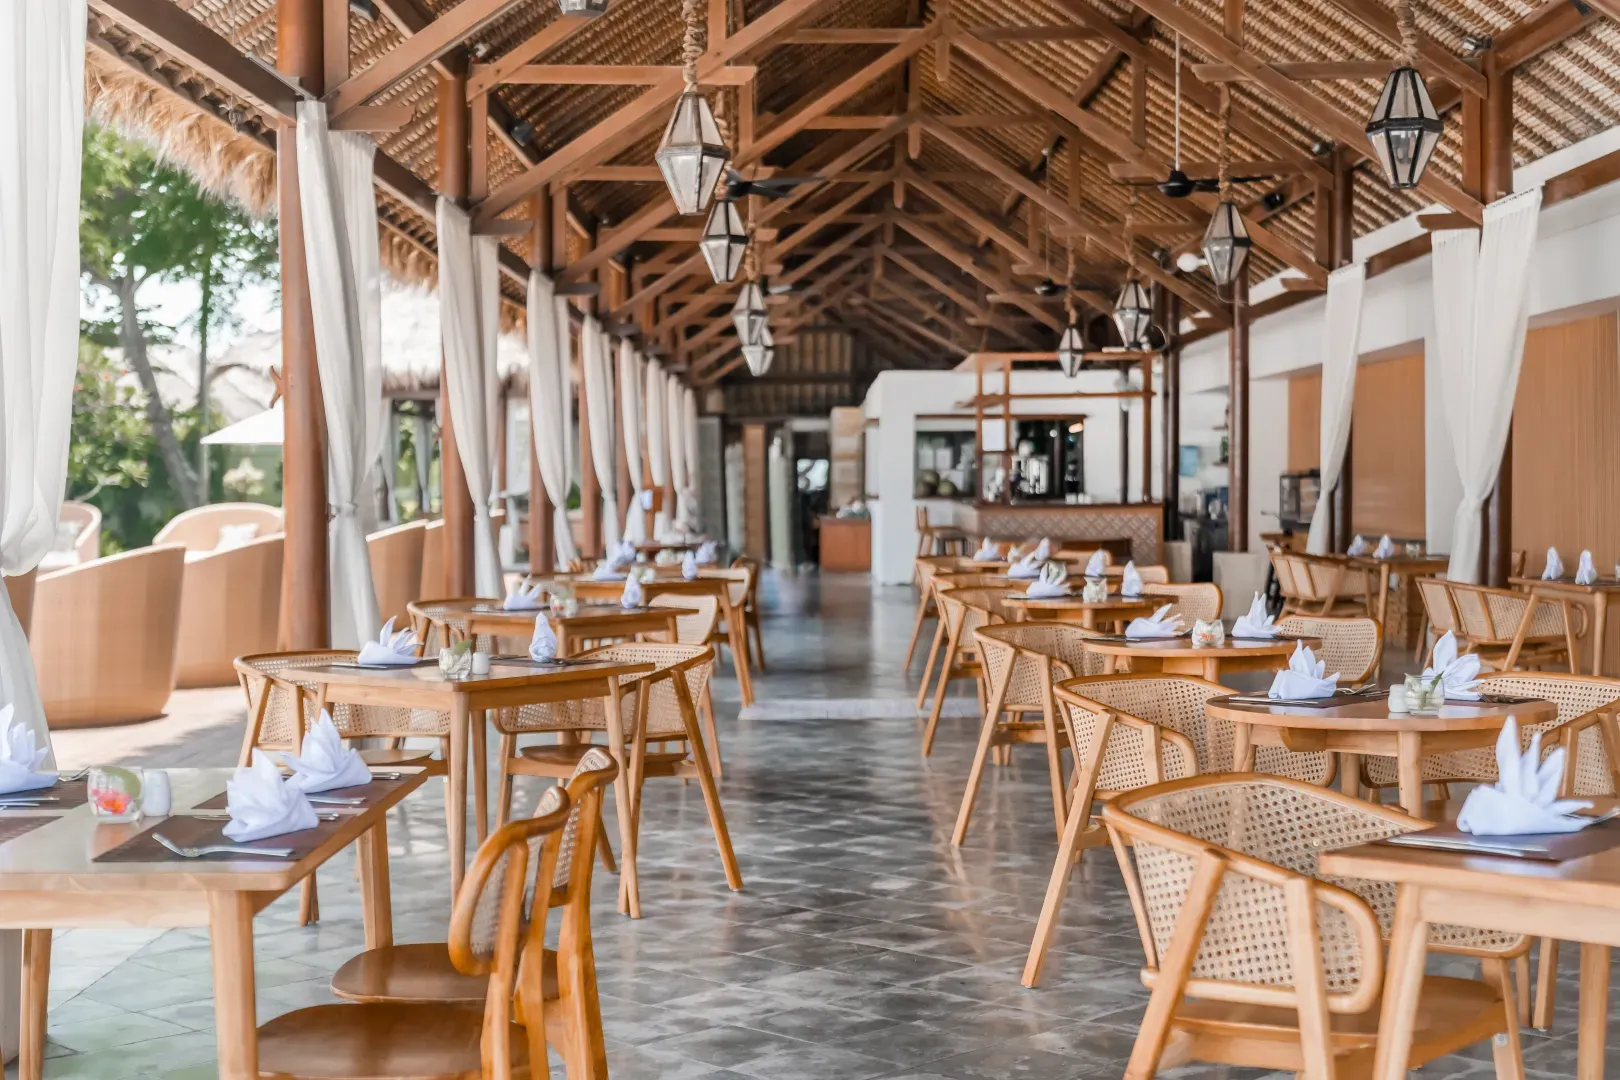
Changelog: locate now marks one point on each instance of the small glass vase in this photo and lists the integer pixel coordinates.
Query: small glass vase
(114, 794)
(1094, 591)
(455, 664)
(1424, 695)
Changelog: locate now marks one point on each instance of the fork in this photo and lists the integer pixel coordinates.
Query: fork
(222, 849)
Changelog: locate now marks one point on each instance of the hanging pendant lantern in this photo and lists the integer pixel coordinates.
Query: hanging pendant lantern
(760, 353)
(692, 156)
(724, 242)
(1405, 128)
(1226, 243)
(748, 313)
(1071, 349)
(1133, 315)
(588, 8)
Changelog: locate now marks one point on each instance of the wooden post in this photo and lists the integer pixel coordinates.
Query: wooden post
(542, 544)
(304, 585)
(1344, 234)
(1171, 416)
(1497, 174)
(456, 501)
(1237, 374)
(756, 506)
(1124, 449)
(1147, 426)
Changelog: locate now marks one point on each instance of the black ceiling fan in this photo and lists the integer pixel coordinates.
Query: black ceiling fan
(738, 187)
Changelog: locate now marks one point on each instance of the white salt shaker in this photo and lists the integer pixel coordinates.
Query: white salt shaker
(1397, 699)
(157, 797)
(480, 663)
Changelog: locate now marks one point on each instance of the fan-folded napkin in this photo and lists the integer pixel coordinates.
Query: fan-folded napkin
(988, 551)
(1043, 550)
(1524, 800)
(543, 646)
(1555, 566)
(1027, 567)
(1097, 565)
(1130, 583)
(1358, 547)
(262, 804)
(707, 552)
(632, 596)
(1458, 674)
(689, 567)
(324, 762)
(1586, 572)
(1303, 677)
(1385, 548)
(21, 756)
(1257, 623)
(391, 649)
(1052, 582)
(523, 598)
(1158, 625)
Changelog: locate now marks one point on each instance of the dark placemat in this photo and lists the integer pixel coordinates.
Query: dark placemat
(371, 792)
(200, 832)
(67, 793)
(13, 827)
(1538, 847)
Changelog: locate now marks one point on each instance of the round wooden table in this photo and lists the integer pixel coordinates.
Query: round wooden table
(1366, 726)
(1179, 656)
(1074, 609)
(593, 622)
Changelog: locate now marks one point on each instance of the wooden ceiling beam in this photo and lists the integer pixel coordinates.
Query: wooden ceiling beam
(1432, 55)
(965, 260)
(848, 35)
(832, 250)
(484, 78)
(1059, 32)
(442, 35)
(833, 213)
(1301, 71)
(617, 75)
(885, 313)
(975, 306)
(998, 231)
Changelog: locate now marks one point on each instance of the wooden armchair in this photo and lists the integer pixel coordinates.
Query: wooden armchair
(1197, 600)
(1510, 629)
(1020, 662)
(962, 611)
(1350, 647)
(1253, 960)
(230, 606)
(1317, 585)
(396, 567)
(923, 574)
(698, 629)
(1439, 617)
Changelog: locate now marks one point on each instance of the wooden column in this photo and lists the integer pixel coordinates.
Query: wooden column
(1237, 374)
(542, 544)
(1124, 449)
(1147, 430)
(1170, 415)
(613, 294)
(304, 584)
(454, 169)
(756, 501)
(1344, 235)
(1497, 174)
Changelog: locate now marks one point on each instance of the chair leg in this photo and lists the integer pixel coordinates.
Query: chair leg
(309, 904)
(1546, 985)
(710, 734)
(916, 630)
(503, 793)
(1505, 1048)
(939, 697)
(928, 666)
(758, 639)
(604, 848)
(711, 795)
(1068, 857)
(1521, 987)
(987, 735)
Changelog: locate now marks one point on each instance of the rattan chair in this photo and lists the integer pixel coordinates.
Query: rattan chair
(1254, 960)
(1318, 585)
(962, 612)
(698, 629)
(1439, 617)
(1489, 622)
(1113, 752)
(571, 1015)
(492, 937)
(1020, 662)
(740, 579)
(1150, 575)
(922, 573)
(756, 639)
(939, 539)
(1197, 600)
(1082, 555)
(1350, 647)
(653, 707)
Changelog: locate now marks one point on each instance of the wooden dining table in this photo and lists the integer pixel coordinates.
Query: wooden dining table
(62, 868)
(594, 621)
(1574, 900)
(1365, 725)
(509, 684)
(1408, 566)
(1179, 656)
(1073, 609)
(1555, 589)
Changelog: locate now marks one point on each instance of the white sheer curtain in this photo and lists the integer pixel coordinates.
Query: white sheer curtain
(469, 314)
(1341, 342)
(1481, 305)
(689, 428)
(551, 393)
(340, 246)
(630, 420)
(675, 432)
(657, 446)
(41, 125)
(596, 354)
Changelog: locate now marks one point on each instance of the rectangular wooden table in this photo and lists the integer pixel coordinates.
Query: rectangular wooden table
(1409, 566)
(50, 880)
(1598, 593)
(509, 684)
(1574, 900)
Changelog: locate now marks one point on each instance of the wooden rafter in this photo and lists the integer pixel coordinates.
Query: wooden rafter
(974, 305)
(1432, 55)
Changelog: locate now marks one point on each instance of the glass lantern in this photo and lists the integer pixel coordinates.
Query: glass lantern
(1133, 315)
(1405, 128)
(1226, 243)
(748, 313)
(760, 354)
(692, 155)
(1071, 350)
(724, 242)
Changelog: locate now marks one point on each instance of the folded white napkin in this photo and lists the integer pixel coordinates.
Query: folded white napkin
(1043, 550)
(1156, 625)
(391, 649)
(606, 571)
(1096, 565)
(1257, 623)
(1303, 677)
(1524, 800)
(1027, 567)
(988, 551)
(325, 763)
(708, 552)
(1385, 548)
(543, 646)
(623, 555)
(646, 499)
(1130, 584)
(263, 805)
(1358, 547)
(21, 757)
(1458, 674)
(689, 567)
(1208, 634)
(667, 557)
(523, 598)
(632, 596)
(1586, 572)
(1052, 582)
(1555, 566)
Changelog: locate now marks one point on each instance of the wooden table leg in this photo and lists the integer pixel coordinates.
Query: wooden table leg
(456, 810)
(478, 724)
(1350, 775)
(1383, 608)
(230, 933)
(737, 631)
(1212, 669)
(1403, 986)
(1409, 770)
(1594, 1012)
(36, 987)
(1242, 749)
(1600, 626)
(376, 899)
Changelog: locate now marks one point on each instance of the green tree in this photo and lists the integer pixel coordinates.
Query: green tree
(141, 219)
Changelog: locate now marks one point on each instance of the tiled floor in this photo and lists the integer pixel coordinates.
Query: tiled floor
(864, 945)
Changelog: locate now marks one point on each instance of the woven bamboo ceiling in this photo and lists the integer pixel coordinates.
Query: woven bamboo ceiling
(965, 150)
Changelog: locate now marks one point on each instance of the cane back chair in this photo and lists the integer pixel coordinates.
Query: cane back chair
(1490, 620)
(923, 574)
(698, 629)
(1350, 646)
(1317, 585)
(491, 937)
(733, 629)
(750, 611)
(1439, 617)
(962, 611)
(1195, 600)
(1254, 959)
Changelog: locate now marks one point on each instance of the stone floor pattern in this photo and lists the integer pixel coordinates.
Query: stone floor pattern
(863, 946)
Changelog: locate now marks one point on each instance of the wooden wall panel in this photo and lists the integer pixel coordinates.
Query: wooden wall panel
(1566, 448)
(1304, 422)
(1387, 449)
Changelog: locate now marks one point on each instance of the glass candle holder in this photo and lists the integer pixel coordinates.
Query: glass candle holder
(1424, 695)
(455, 664)
(114, 794)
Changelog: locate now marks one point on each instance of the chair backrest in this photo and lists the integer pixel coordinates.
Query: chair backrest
(984, 605)
(741, 578)
(1349, 646)
(1172, 701)
(1585, 704)
(433, 581)
(1516, 563)
(969, 579)
(1292, 577)
(231, 605)
(1437, 604)
(1324, 577)
(695, 629)
(443, 622)
(198, 529)
(680, 674)
(1115, 751)
(1024, 659)
(281, 705)
(755, 569)
(1150, 575)
(1487, 616)
(1082, 555)
(85, 518)
(1245, 847)
(396, 567)
(576, 846)
(1190, 600)
(494, 913)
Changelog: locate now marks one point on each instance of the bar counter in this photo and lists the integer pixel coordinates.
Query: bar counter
(1077, 524)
